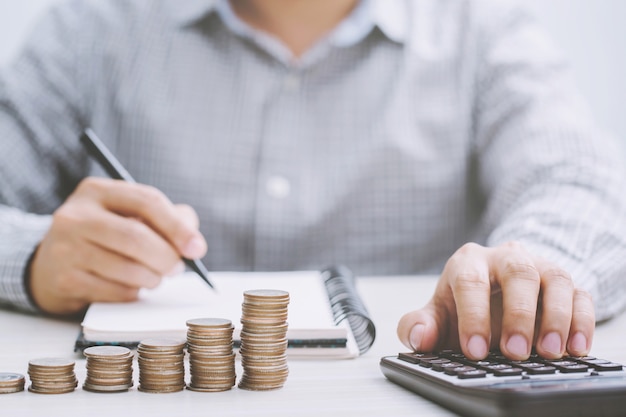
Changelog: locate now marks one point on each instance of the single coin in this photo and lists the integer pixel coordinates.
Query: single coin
(210, 322)
(106, 351)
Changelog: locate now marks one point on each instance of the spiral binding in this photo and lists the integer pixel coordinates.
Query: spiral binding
(346, 303)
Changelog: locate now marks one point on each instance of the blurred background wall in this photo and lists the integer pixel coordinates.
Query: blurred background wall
(591, 32)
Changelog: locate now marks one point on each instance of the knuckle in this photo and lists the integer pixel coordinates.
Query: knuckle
(584, 294)
(521, 313)
(66, 216)
(558, 311)
(470, 280)
(151, 196)
(512, 245)
(92, 184)
(560, 277)
(468, 248)
(522, 271)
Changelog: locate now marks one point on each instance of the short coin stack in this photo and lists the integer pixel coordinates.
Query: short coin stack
(109, 369)
(52, 376)
(11, 382)
(264, 339)
(211, 356)
(161, 365)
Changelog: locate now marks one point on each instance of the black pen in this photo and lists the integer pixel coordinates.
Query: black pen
(114, 168)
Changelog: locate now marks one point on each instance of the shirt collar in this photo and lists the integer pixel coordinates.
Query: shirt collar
(187, 12)
(390, 16)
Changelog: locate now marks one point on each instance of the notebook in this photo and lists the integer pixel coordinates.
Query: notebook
(327, 317)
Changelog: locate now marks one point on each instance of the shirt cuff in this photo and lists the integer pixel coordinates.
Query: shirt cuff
(21, 233)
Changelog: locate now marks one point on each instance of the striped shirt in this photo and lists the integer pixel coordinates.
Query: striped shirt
(413, 127)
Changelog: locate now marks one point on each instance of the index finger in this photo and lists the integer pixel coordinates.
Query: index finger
(468, 277)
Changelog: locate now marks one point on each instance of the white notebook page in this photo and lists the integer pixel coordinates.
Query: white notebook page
(164, 311)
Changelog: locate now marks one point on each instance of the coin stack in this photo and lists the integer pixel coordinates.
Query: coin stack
(264, 339)
(161, 365)
(52, 376)
(109, 369)
(211, 356)
(11, 382)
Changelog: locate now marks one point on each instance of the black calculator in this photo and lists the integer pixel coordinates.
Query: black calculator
(499, 387)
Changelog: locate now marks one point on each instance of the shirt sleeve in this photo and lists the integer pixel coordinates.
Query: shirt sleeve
(41, 112)
(553, 180)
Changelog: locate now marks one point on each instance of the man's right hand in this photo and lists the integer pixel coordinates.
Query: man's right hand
(108, 240)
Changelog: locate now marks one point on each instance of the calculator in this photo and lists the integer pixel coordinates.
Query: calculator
(499, 387)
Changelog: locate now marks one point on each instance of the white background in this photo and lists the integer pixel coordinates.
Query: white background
(591, 32)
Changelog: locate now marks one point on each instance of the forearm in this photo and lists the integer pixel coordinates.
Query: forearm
(552, 180)
(579, 230)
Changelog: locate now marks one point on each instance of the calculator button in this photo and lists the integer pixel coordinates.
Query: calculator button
(413, 357)
(476, 373)
(429, 363)
(611, 366)
(569, 369)
(441, 367)
(508, 372)
(456, 371)
(541, 370)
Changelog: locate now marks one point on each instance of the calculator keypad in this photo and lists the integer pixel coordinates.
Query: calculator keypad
(497, 365)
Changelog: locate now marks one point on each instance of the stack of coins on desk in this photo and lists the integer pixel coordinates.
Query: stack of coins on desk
(211, 356)
(109, 369)
(52, 376)
(11, 382)
(264, 339)
(161, 365)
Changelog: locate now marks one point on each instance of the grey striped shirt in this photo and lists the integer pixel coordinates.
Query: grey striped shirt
(414, 127)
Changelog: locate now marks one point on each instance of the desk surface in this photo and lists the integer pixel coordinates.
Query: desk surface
(353, 387)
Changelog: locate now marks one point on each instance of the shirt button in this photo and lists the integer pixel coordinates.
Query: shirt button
(278, 187)
(292, 83)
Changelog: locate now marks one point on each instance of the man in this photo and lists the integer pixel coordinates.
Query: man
(384, 135)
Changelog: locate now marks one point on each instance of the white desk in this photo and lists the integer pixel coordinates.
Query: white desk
(314, 388)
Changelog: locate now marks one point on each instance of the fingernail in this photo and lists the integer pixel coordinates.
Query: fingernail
(477, 347)
(177, 270)
(416, 336)
(517, 345)
(552, 343)
(578, 343)
(195, 248)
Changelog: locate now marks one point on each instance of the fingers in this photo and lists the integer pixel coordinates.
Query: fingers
(119, 269)
(419, 330)
(515, 273)
(127, 237)
(88, 288)
(557, 303)
(583, 324)
(503, 297)
(153, 208)
(468, 278)
(109, 239)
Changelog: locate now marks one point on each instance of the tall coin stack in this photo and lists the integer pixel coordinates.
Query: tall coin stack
(161, 365)
(211, 356)
(52, 376)
(264, 339)
(109, 369)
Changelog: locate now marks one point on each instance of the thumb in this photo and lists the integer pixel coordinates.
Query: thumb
(419, 329)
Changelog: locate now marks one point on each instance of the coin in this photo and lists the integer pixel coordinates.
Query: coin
(11, 382)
